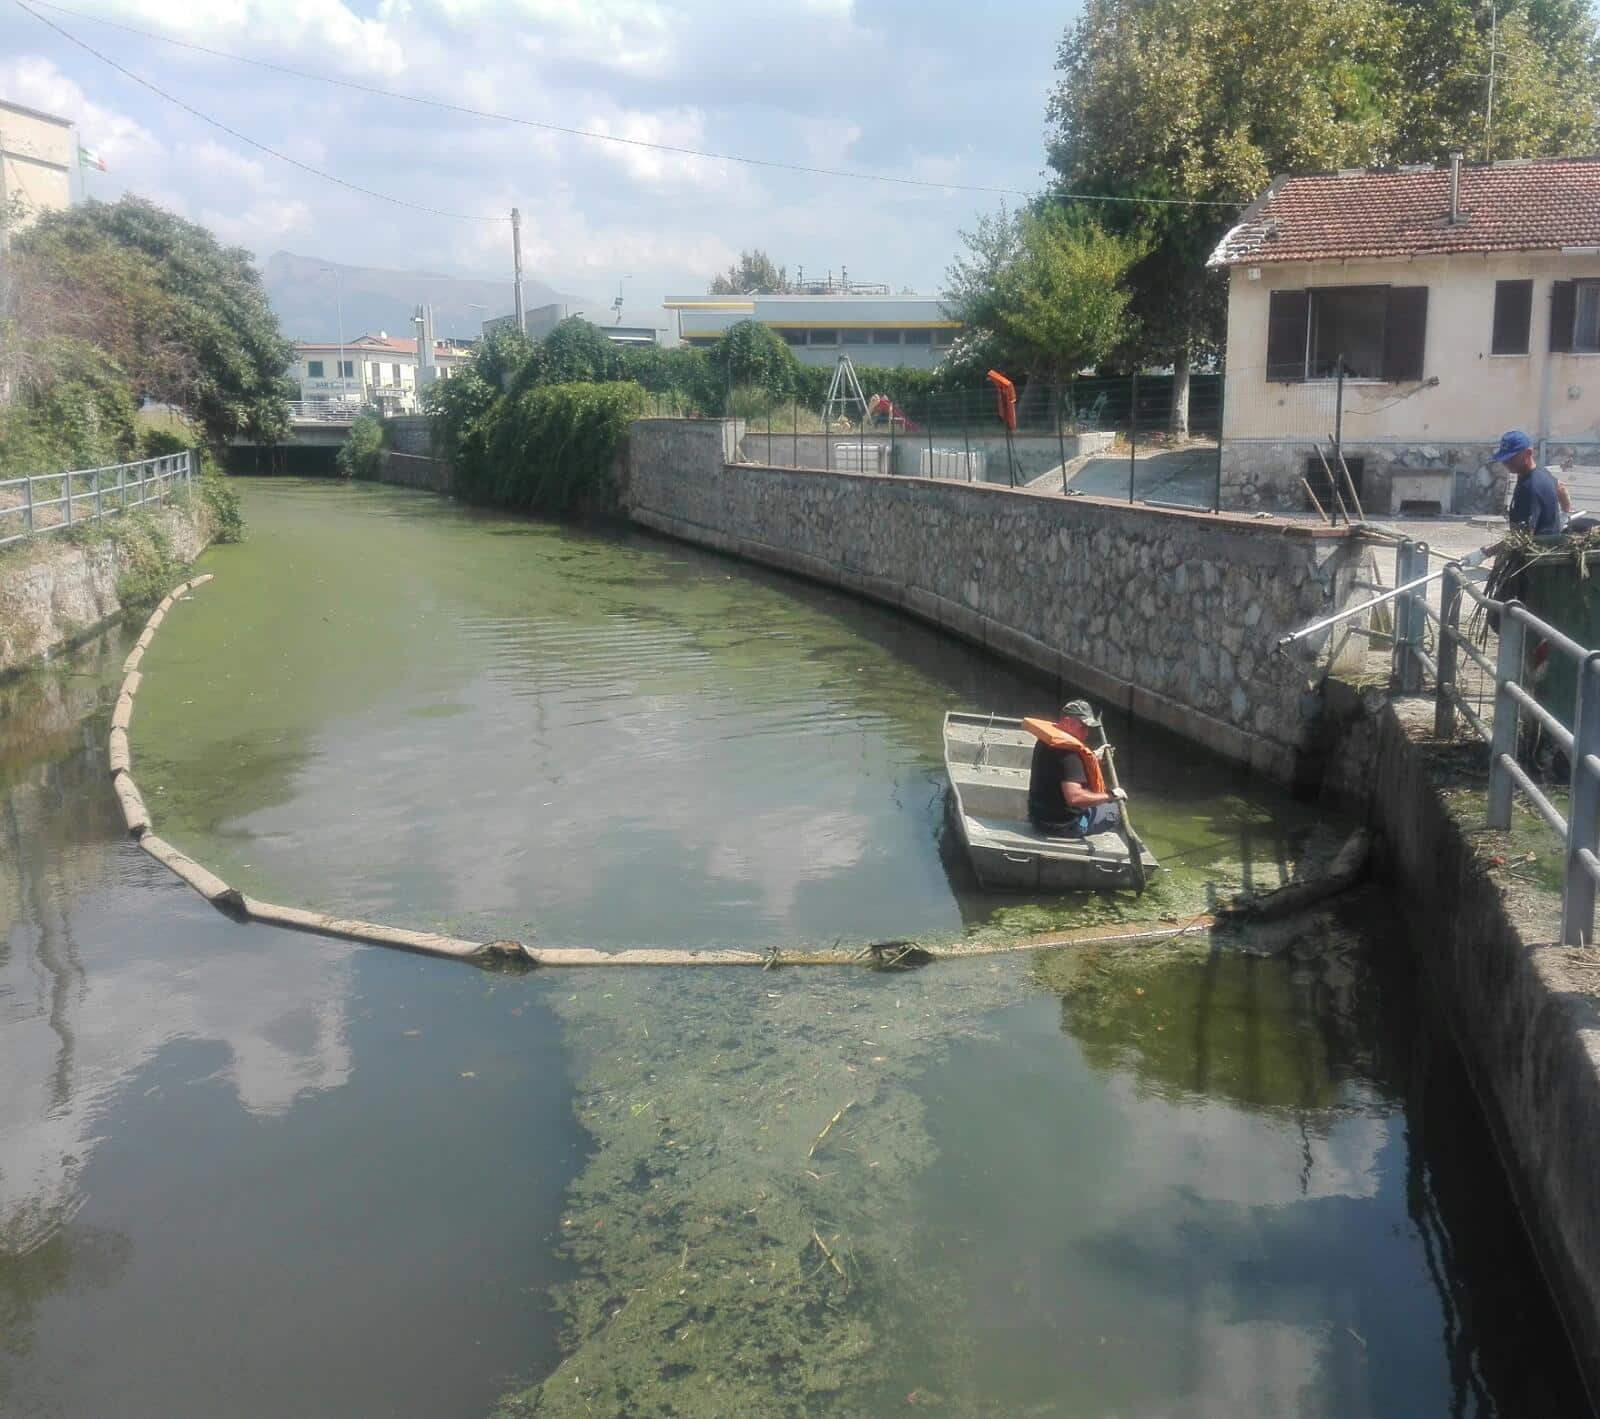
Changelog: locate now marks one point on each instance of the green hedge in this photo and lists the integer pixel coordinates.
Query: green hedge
(548, 448)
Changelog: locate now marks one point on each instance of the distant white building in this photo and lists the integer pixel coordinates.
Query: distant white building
(620, 324)
(376, 369)
(36, 156)
(914, 331)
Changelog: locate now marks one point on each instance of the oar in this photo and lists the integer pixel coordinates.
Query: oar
(1130, 838)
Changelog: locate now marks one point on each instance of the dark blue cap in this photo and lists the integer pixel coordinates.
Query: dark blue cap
(1511, 444)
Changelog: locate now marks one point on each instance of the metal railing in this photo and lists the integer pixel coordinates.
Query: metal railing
(1502, 729)
(55, 502)
(327, 411)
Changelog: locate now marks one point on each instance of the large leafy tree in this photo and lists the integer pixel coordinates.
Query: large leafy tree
(1040, 292)
(185, 317)
(1190, 107)
(755, 274)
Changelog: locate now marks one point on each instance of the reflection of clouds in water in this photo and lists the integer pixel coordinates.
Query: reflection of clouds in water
(148, 972)
(518, 799)
(1255, 1159)
(777, 852)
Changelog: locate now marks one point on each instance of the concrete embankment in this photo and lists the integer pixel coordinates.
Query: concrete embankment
(1526, 1011)
(1170, 615)
(56, 592)
(407, 458)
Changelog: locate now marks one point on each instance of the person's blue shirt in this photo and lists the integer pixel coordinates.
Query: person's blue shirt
(1534, 504)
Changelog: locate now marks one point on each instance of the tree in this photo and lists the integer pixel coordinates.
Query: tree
(1041, 292)
(576, 351)
(754, 275)
(187, 317)
(752, 354)
(1183, 103)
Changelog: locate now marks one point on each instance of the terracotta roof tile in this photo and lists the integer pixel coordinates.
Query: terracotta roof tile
(1523, 206)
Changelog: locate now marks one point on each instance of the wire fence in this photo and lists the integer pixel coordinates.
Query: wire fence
(55, 502)
(1139, 437)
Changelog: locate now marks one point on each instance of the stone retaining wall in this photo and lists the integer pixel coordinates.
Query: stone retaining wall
(54, 593)
(905, 454)
(409, 470)
(1171, 615)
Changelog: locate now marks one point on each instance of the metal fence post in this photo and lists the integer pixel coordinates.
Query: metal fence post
(1061, 440)
(122, 486)
(28, 483)
(1444, 705)
(929, 407)
(1507, 715)
(1133, 433)
(1412, 563)
(1222, 409)
(1583, 811)
(68, 484)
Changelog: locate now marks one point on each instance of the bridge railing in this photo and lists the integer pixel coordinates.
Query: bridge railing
(53, 502)
(1463, 654)
(323, 412)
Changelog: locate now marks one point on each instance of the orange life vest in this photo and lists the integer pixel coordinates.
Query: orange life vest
(1049, 733)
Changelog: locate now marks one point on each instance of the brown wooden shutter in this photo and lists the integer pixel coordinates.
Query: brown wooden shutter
(1288, 319)
(1405, 334)
(1513, 314)
(1563, 314)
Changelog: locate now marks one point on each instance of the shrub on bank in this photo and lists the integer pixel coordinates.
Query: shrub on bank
(358, 454)
(216, 493)
(548, 448)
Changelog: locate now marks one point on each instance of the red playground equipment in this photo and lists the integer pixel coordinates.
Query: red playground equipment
(880, 406)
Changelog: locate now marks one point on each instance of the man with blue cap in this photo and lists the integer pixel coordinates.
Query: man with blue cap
(1538, 500)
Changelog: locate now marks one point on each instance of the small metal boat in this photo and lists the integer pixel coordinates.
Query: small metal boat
(988, 759)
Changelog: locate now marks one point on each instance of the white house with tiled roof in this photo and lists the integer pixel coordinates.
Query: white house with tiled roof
(376, 369)
(1460, 300)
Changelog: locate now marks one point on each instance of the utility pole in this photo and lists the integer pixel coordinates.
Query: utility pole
(516, 260)
(1488, 118)
(5, 199)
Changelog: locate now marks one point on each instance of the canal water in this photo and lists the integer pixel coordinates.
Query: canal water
(247, 1172)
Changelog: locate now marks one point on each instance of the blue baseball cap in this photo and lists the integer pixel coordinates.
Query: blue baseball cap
(1511, 445)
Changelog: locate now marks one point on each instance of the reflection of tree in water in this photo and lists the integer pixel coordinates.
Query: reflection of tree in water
(1274, 1032)
(71, 1256)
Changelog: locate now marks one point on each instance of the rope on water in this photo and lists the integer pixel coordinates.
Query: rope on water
(875, 955)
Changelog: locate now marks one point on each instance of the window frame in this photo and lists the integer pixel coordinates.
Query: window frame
(1501, 288)
(314, 370)
(1291, 328)
(1581, 286)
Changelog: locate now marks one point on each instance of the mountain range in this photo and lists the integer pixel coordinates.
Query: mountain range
(313, 298)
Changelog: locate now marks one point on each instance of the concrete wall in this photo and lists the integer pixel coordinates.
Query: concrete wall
(1170, 614)
(1526, 1028)
(1269, 427)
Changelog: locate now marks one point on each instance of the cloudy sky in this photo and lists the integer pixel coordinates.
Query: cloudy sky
(931, 89)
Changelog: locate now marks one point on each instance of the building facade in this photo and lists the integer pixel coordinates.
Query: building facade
(620, 324)
(378, 370)
(1458, 302)
(36, 156)
(915, 331)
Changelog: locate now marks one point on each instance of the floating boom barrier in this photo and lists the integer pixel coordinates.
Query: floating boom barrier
(878, 955)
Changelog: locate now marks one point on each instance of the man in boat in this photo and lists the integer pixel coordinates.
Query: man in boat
(1067, 793)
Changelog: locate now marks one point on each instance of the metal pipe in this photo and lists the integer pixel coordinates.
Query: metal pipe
(1474, 560)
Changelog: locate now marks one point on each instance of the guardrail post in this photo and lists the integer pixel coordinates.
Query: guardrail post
(99, 506)
(122, 486)
(1409, 617)
(1444, 705)
(28, 484)
(69, 499)
(1507, 715)
(1583, 812)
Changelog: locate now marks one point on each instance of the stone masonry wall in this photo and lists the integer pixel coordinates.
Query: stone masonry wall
(1171, 615)
(1265, 474)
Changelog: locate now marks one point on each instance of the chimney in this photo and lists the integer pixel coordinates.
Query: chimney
(1455, 189)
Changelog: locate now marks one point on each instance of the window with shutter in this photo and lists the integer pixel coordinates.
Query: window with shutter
(1563, 309)
(1405, 337)
(1513, 314)
(1586, 317)
(1349, 328)
(1288, 322)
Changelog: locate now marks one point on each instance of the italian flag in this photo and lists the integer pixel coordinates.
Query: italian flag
(88, 158)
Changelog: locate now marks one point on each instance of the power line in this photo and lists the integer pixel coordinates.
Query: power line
(469, 112)
(244, 138)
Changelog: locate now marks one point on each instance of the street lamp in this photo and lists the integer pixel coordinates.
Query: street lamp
(338, 301)
(473, 305)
